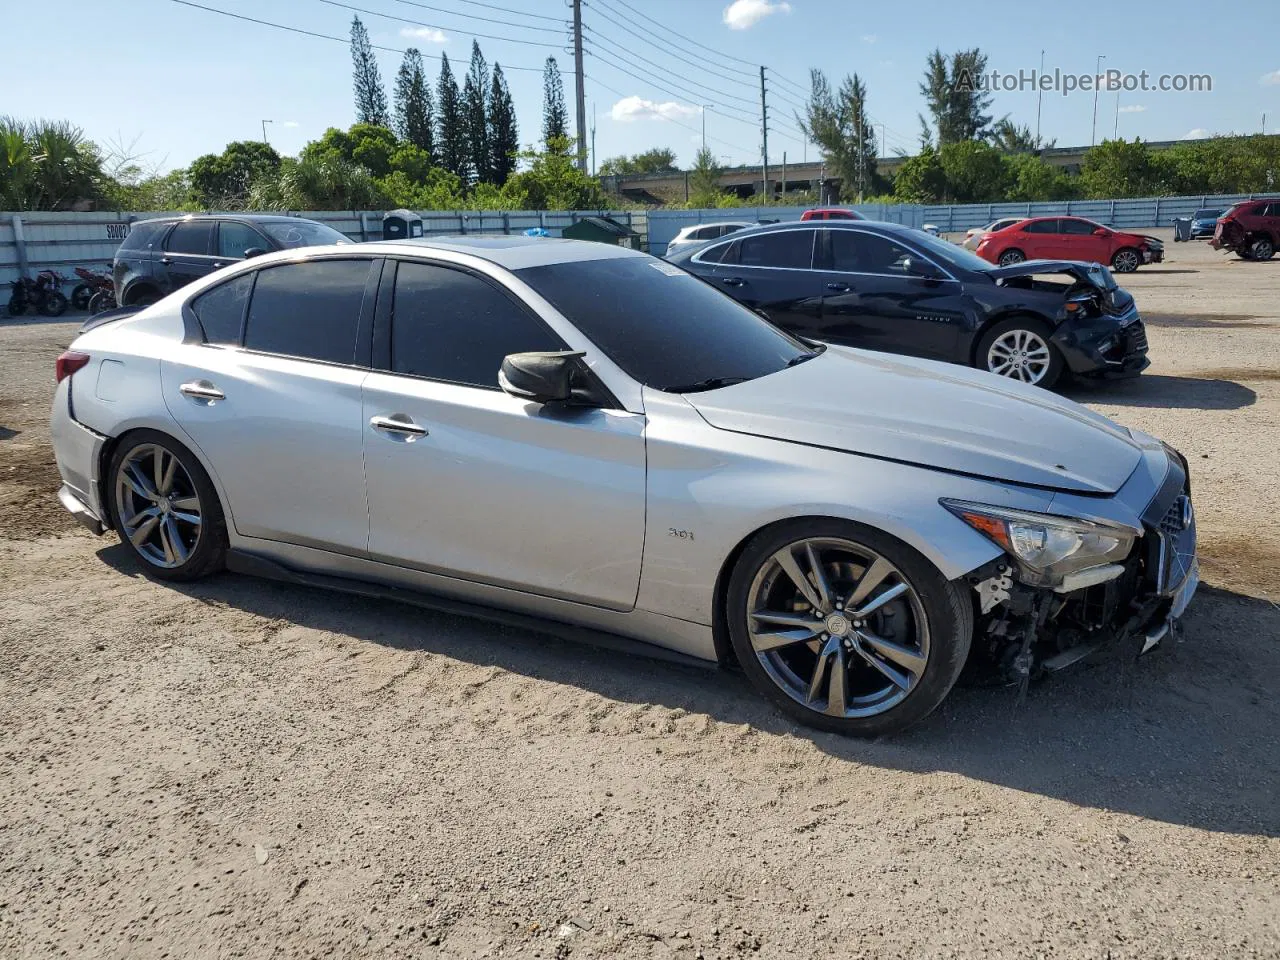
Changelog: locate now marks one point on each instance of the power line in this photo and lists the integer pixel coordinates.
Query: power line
(476, 16)
(346, 41)
(666, 29)
(432, 26)
(661, 45)
(518, 13)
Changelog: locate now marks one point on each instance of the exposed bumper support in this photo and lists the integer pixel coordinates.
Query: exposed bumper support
(80, 510)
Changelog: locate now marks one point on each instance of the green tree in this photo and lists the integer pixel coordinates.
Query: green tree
(415, 111)
(1033, 179)
(451, 134)
(46, 165)
(371, 98)
(553, 182)
(323, 182)
(955, 97)
(438, 190)
(975, 172)
(704, 180)
(1117, 168)
(222, 180)
(475, 118)
(655, 160)
(504, 136)
(838, 123)
(1011, 138)
(366, 144)
(555, 118)
(921, 178)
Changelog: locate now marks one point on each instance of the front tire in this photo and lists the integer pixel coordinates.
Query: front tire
(1021, 350)
(54, 304)
(1126, 260)
(845, 628)
(165, 508)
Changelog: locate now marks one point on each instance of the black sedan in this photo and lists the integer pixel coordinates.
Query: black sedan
(886, 287)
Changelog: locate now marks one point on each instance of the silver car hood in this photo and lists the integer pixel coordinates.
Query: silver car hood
(933, 414)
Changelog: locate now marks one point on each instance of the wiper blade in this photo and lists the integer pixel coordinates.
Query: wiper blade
(802, 357)
(711, 383)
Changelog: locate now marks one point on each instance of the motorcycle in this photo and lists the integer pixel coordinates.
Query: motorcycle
(102, 300)
(90, 285)
(42, 294)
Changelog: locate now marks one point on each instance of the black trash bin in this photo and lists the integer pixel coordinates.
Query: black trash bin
(1181, 229)
(401, 225)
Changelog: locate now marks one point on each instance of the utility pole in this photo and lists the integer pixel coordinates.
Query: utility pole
(883, 145)
(581, 92)
(705, 108)
(1115, 133)
(1097, 71)
(784, 175)
(264, 131)
(1039, 97)
(862, 155)
(593, 139)
(764, 131)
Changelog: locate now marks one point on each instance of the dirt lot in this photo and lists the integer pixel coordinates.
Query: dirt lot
(247, 769)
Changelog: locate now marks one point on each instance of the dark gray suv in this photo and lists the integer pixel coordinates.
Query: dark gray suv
(161, 255)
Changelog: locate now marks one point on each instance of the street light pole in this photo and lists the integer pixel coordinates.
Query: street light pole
(264, 130)
(1039, 97)
(1115, 134)
(1097, 71)
(705, 108)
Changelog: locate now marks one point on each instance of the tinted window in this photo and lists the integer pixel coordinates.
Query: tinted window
(1272, 209)
(705, 233)
(451, 325)
(1001, 224)
(221, 310)
(785, 248)
(866, 252)
(1208, 214)
(1077, 227)
(664, 327)
(716, 254)
(143, 234)
(308, 309)
(1041, 226)
(190, 236)
(302, 233)
(235, 238)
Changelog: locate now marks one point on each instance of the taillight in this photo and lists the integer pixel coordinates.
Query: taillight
(68, 363)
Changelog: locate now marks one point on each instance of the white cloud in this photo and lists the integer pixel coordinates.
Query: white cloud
(870, 38)
(1133, 108)
(1199, 133)
(637, 108)
(1271, 79)
(429, 34)
(742, 14)
(291, 123)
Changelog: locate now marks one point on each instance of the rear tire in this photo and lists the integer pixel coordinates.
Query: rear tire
(164, 507)
(142, 298)
(1010, 257)
(1017, 349)
(54, 304)
(878, 672)
(1262, 249)
(81, 295)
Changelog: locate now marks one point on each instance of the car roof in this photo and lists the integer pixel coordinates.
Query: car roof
(512, 252)
(884, 226)
(251, 217)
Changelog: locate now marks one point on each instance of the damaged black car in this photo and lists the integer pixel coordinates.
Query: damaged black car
(883, 286)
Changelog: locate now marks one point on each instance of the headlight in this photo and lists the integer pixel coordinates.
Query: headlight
(1046, 547)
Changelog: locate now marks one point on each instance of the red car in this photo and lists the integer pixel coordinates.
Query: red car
(1070, 238)
(1251, 228)
(831, 213)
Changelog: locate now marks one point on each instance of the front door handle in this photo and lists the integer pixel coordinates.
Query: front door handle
(202, 390)
(217, 263)
(166, 261)
(733, 281)
(399, 426)
(838, 287)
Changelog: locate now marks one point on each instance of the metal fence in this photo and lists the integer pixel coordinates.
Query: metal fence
(31, 242)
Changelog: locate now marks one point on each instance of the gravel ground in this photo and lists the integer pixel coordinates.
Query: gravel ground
(242, 768)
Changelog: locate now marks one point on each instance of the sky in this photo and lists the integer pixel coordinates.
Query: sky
(168, 82)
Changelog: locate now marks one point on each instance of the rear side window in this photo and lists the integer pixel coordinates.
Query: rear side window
(143, 234)
(1041, 226)
(716, 254)
(1272, 209)
(309, 310)
(190, 236)
(451, 325)
(221, 310)
(786, 248)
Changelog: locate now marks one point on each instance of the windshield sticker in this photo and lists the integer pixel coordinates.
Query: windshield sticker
(670, 269)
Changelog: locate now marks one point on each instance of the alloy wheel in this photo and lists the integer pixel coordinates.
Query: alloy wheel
(1010, 257)
(158, 505)
(1126, 261)
(1020, 355)
(837, 627)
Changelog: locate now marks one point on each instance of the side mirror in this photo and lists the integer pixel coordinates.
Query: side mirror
(253, 252)
(540, 377)
(919, 268)
(1101, 232)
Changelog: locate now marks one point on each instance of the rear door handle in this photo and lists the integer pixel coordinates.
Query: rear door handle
(166, 261)
(202, 390)
(733, 281)
(217, 264)
(838, 287)
(400, 426)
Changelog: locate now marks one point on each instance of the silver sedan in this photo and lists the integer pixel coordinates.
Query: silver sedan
(580, 435)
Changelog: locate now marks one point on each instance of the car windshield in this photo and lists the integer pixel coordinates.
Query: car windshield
(301, 233)
(951, 253)
(664, 327)
(1208, 214)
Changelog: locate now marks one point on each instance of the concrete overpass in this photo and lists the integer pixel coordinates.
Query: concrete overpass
(669, 186)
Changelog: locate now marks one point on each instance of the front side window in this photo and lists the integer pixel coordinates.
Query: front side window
(221, 310)
(235, 238)
(190, 236)
(309, 310)
(302, 233)
(1078, 227)
(786, 248)
(665, 328)
(451, 325)
(858, 252)
(1041, 226)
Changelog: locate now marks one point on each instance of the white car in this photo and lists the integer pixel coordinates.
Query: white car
(973, 236)
(702, 232)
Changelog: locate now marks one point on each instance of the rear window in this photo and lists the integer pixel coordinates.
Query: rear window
(1207, 214)
(144, 233)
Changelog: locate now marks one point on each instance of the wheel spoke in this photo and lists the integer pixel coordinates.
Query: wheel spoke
(871, 578)
(157, 469)
(837, 686)
(165, 545)
(798, 621)
(132, 522)
(897, 590)
(139, 482)
(187, 503)
(144, 530)
(178, 548)
(787, 561)
(905, 657)
(777, 639)
(165, 485)
(191, 518)
(818, 577)
(893, 675)
(829, 651)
